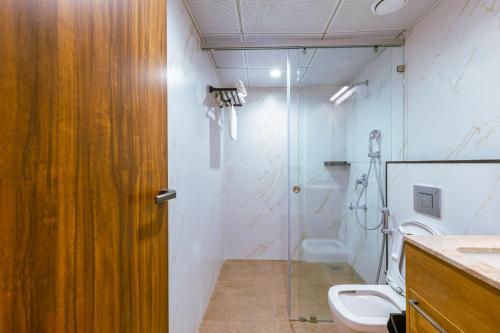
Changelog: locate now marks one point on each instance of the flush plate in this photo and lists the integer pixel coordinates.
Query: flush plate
(427, 200)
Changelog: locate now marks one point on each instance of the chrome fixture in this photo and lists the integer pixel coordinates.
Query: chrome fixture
(361, 181)
(362, 207)
(414, 304)
(165, 195)
(375, 155)
(345, 92)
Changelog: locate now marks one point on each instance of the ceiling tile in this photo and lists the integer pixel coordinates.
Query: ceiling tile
(229, 59)
(267, 59)
(261, 78)
(286, 16)
(229, 76)
(215, 16)
(356, 15)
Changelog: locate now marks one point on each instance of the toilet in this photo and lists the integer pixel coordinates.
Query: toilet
(366, 308)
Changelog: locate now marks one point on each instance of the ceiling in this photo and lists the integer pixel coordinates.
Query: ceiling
(289, 20)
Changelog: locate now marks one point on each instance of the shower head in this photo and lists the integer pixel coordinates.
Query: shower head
(375, 134)
(346, 91)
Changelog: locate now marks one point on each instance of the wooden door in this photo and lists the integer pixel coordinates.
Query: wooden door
(83, 247)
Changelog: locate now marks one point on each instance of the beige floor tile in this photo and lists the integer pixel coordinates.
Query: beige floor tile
(230, 306)
(300, 327)
(341, 273)
(246, 270)
(312, 273)
(252, 296)
(238, 327)
(327, 328)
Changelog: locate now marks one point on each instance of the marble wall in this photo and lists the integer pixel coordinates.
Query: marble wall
(452, 59)
(323, 137)
(255, 224)
(379, 106)
(450, 112)
(196, 171)
(470, 205)
(256, 202)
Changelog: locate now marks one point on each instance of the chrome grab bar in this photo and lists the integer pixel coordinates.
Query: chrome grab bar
(165, 195)
(414, 304)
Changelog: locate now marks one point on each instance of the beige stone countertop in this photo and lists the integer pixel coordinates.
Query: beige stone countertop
(456, 249)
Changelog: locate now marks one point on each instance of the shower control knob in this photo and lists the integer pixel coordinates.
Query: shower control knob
(296, 189)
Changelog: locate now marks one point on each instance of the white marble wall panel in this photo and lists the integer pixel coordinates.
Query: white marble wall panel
(255, 224)
(378, 106)
(470, 196)
(452, 58)
(195, 170)
(323, 136)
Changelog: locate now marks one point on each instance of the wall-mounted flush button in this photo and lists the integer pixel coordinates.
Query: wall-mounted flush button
(427, 200)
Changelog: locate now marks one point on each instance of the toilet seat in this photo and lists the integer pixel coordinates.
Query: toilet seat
(366, 308)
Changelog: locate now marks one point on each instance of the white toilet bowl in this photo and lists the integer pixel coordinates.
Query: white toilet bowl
(366, 308)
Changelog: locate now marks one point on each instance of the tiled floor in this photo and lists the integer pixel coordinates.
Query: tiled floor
(251, 297)
(313, 283)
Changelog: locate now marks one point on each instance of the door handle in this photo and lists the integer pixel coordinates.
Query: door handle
(165, 195)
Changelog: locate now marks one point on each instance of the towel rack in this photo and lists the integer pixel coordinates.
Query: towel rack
(227, 95)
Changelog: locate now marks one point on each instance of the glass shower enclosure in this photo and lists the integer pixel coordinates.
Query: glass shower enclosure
(334, 200)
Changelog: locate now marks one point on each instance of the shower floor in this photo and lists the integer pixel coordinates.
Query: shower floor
(312, 283)
(251, 296)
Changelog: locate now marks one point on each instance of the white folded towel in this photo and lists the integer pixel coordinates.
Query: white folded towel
(241, 88)
(233, 123)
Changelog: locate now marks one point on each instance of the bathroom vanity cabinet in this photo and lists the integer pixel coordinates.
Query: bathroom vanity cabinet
(443, 297)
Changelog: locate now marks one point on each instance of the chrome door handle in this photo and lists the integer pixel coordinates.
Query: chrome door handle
(165, 195)
(414, 304)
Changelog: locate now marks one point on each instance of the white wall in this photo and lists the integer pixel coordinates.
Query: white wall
(451, 112)
(323, 137)
(470, 195)
(255, 223)
(453, 69)
(195, 169)
(379, 106)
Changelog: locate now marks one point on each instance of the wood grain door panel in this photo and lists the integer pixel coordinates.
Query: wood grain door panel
(83, 153)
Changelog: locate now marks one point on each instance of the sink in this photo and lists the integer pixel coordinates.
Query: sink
(488, 256)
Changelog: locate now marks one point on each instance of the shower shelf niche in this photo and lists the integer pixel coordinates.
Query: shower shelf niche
(337, 163)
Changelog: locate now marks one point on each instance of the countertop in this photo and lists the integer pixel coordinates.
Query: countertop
(446, 249)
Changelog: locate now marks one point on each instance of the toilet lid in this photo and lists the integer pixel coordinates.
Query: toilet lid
(396, 274)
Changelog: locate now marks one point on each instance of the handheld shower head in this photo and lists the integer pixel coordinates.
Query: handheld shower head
(375, 134)
(374, 140)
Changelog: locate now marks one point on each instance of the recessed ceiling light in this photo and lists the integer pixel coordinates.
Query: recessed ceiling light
(275, 72)
(384, 7)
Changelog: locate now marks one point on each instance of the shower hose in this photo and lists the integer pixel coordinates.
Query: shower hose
(375, 164)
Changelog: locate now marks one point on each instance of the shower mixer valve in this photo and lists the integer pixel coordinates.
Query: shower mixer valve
(361, 181)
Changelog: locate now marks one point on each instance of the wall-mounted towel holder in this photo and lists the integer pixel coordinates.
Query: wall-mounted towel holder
(228, 96)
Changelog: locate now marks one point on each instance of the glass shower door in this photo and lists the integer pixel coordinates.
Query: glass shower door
(327, 154)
